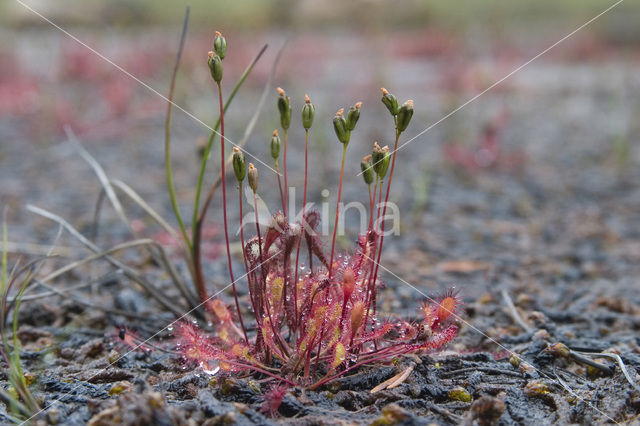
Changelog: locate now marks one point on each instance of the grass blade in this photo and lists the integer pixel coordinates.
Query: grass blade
(167, 135)
(131, 273)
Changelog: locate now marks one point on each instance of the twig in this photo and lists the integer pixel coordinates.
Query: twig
(136, 198)
(584, 360)
(623, 368)
(178, 281)
(514, 312)
(156, 251)
(92, 305)
(127, 270)
(100, 280)
(37, 249)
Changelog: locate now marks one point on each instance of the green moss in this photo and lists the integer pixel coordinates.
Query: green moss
(459, 394)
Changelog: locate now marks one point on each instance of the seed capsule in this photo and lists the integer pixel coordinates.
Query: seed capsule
(284, 106)
(308, 111)
(404, 116)
(239, 167)
(215, 66)
(252, 177)
(377, 156)
(386, 160)
(353, 115)
(340, 127)
(275, 145)
(220, 45)
(367, 170)
(390, 101)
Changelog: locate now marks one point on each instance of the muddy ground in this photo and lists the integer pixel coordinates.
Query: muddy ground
(552, 225)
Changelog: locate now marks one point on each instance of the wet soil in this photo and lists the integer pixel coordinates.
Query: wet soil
(544, 244)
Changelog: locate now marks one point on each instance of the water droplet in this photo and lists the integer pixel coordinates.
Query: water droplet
(170, 328)
(210, 367)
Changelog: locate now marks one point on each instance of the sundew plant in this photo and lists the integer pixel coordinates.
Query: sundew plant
(309, 324)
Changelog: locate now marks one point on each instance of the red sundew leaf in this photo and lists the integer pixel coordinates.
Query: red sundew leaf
(132, 340)
(272, 399)
(446, 306)
(194, 345)
(277, 228)
(376, 334)
(220, 310)
(439, 339)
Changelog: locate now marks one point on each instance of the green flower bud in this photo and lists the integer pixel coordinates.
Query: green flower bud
(275, 145)
(353, 115)
(220, 45)
(385, 162)
(380, 158)
(252, 177)
(284, 106)
(238, 164)
(215, 65)
(340, 126)
(308, 111)
(367, 170)
(376, 158)
(404, 116)
(390, 102)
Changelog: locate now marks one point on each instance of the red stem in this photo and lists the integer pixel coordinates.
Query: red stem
(371, 283)
(370, 208)
(224, 211)
(280, 187)
(276, 336)
(322, 330)
(335, 227)
(384, 211)
(260, 370)
(302, 231)
(261, 258)
(197, 264)
(284, 170)
(244, 256)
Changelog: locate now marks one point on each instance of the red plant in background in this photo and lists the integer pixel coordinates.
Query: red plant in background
(488, 151)
(130, 340)
(315, 324)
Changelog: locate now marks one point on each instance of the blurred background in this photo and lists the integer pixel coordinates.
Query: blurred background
(566, 122)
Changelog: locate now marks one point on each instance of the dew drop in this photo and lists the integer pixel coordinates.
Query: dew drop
(210, 367)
